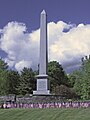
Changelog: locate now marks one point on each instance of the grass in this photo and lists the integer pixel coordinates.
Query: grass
(45, 114)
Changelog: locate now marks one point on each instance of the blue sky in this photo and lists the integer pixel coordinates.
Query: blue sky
(74, 16)
(28, 11)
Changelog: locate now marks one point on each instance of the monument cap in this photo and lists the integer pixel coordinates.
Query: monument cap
(43, 12)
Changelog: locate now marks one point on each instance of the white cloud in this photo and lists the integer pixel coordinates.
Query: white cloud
(19, 45)
(68, 47)
(20, 65)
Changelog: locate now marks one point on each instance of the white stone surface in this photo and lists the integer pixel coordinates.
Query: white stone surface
(42, 81)
(43, 12)
(43, 92)
(42, 84)
(43, 44)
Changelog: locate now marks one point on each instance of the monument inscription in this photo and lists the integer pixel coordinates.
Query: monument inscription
(42, 84)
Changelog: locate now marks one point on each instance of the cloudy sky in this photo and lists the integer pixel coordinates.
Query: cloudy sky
(68, 32)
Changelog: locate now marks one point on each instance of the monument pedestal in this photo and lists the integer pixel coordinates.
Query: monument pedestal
(42, 92)
(42, 85)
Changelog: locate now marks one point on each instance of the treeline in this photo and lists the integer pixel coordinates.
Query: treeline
(74, 85)
(80, 80)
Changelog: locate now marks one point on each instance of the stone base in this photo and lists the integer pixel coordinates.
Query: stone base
(42, 92)
(42, 85)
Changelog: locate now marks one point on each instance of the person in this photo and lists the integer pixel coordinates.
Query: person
(8, 105)
(4, 105)
(1, 106)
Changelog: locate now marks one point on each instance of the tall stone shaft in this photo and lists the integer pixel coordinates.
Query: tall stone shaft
(43, 44)
(42, 81)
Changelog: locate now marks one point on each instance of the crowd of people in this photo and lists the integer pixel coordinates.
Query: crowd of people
(47, 105)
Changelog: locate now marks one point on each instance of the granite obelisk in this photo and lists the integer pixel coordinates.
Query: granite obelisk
(42, 81)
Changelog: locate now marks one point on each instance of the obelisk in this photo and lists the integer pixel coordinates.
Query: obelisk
(42, 81)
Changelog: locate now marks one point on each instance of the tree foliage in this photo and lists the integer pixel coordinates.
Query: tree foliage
(27, 81)
(3, 65)
(78, 82)
(9, 79)
(13, 81)
(81, 80)
(65, 91)
(3, 82)
(56, 75)
(3, 77)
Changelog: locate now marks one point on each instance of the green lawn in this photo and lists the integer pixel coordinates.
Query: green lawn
(45, 114)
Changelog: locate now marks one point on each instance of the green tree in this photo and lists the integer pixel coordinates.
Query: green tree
(86, 79)
(27, 81)
(65, 91)
(3, 82)
(3, 65)
(81, 80)
(9, 79)
(78, 82)
(56, 75)
(13, 81)
(3, 77)
(72, 78)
